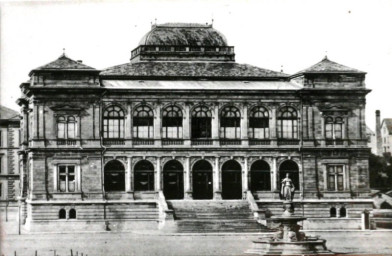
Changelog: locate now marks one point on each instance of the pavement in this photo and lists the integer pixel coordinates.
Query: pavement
(156, 243)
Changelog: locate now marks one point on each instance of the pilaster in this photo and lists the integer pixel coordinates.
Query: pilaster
(187, 183)
(158, 173)
(157, 125)
(217, 183)
(215, 124)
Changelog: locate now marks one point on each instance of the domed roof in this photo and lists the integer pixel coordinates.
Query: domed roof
(183, 34)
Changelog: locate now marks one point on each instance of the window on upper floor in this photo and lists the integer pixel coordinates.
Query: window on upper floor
(288, 123)
(66, 127)
(335, 177)
(143, 123)
(259, 123)
(201, 123)
(1, 164)
(113, 123)
(1, 139)
(230, 127)
(172, 123)
(66, 178)
(333, 128)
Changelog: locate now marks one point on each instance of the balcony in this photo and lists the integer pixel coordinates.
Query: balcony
(227, 142)
(255, 142)
(288, 142)
(168, 142)
(202, 142)
(113, 142)
(143, 142)
(63, 142)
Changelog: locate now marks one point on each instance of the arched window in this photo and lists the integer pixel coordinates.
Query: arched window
(62, 214)
(260, 178)
(113, 123)
(173, 180)
(144, 176)
(288, 123)
(61, 124)
(334, 128)
(143, 122)
(72, 214)
(259, 123)
(114, 178)
(230, 123)
(66, 127)
(332, 212)
(71, 127)
(342, 212)
(291, 168)
(172, 123)
(201, 123)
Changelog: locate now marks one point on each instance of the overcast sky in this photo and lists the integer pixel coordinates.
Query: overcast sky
(265, 33)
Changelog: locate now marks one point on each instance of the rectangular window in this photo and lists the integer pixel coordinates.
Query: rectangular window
(1, 164)
(335, 177)
(329, 131)
(66, 178)
(1, 139)
(1, 190)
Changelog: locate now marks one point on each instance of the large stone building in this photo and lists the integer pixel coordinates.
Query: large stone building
(182, 127)
(9, 166)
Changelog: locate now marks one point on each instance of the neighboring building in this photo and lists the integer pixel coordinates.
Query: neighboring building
(9, 146)
(386, 135)
(183, 121)
(371, 140)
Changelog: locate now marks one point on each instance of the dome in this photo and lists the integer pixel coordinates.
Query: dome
(184, 34)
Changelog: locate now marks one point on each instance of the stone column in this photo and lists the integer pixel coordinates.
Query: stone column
(245, 177)
(217, 183)
(157, 125)
(128, 176)
(128, 123)
(273, 123)
(25, 137)
(186, 126)
(244, 126)
(158, 173)
(35, 121)
(274, 175)
(41, 121)
(187, 182)
(215, 124)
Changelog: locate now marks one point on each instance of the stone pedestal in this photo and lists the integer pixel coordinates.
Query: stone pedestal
(288, 240)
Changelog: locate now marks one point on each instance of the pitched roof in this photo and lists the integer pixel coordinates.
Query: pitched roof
(64, 63)
(191, 34)
(7, 113)
(388, 124)
(191, 70)
(328, 66)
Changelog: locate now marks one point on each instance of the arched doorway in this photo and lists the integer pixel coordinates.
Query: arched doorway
(173, 180)
(231, 180)
(114, 178)
(260, 177)
(290, 167)
(202, 180)
(144, 176)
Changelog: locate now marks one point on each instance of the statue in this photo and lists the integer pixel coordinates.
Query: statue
(287, 190)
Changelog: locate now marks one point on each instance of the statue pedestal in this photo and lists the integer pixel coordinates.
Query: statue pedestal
(288, 240)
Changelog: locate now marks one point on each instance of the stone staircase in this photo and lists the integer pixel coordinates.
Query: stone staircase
(207, 216)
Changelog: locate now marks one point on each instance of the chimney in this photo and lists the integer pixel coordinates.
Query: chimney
(378, 133)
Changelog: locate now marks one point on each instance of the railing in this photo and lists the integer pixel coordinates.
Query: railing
(143, 142)
(172, 142)
(66, 142)
(110, 142)
(334, 142)
(282, 142)
(202, 142)
(254, 142)
(229, 142)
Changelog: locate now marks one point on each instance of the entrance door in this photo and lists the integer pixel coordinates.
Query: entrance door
(231, 180)
(173, 180)
(202, 180)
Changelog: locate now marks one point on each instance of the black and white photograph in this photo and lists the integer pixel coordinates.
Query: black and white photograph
(195, 128)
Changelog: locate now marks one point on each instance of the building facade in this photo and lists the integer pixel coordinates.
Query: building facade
(183, 121)
(386, 135)
(9, 146)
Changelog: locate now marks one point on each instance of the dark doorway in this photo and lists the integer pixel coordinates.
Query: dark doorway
(231, 180)
(260, 178)
(144, 176)
(202, 180)
(114, 176)
(173, 180)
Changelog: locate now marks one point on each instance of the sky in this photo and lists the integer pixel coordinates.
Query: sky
(273, 34)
